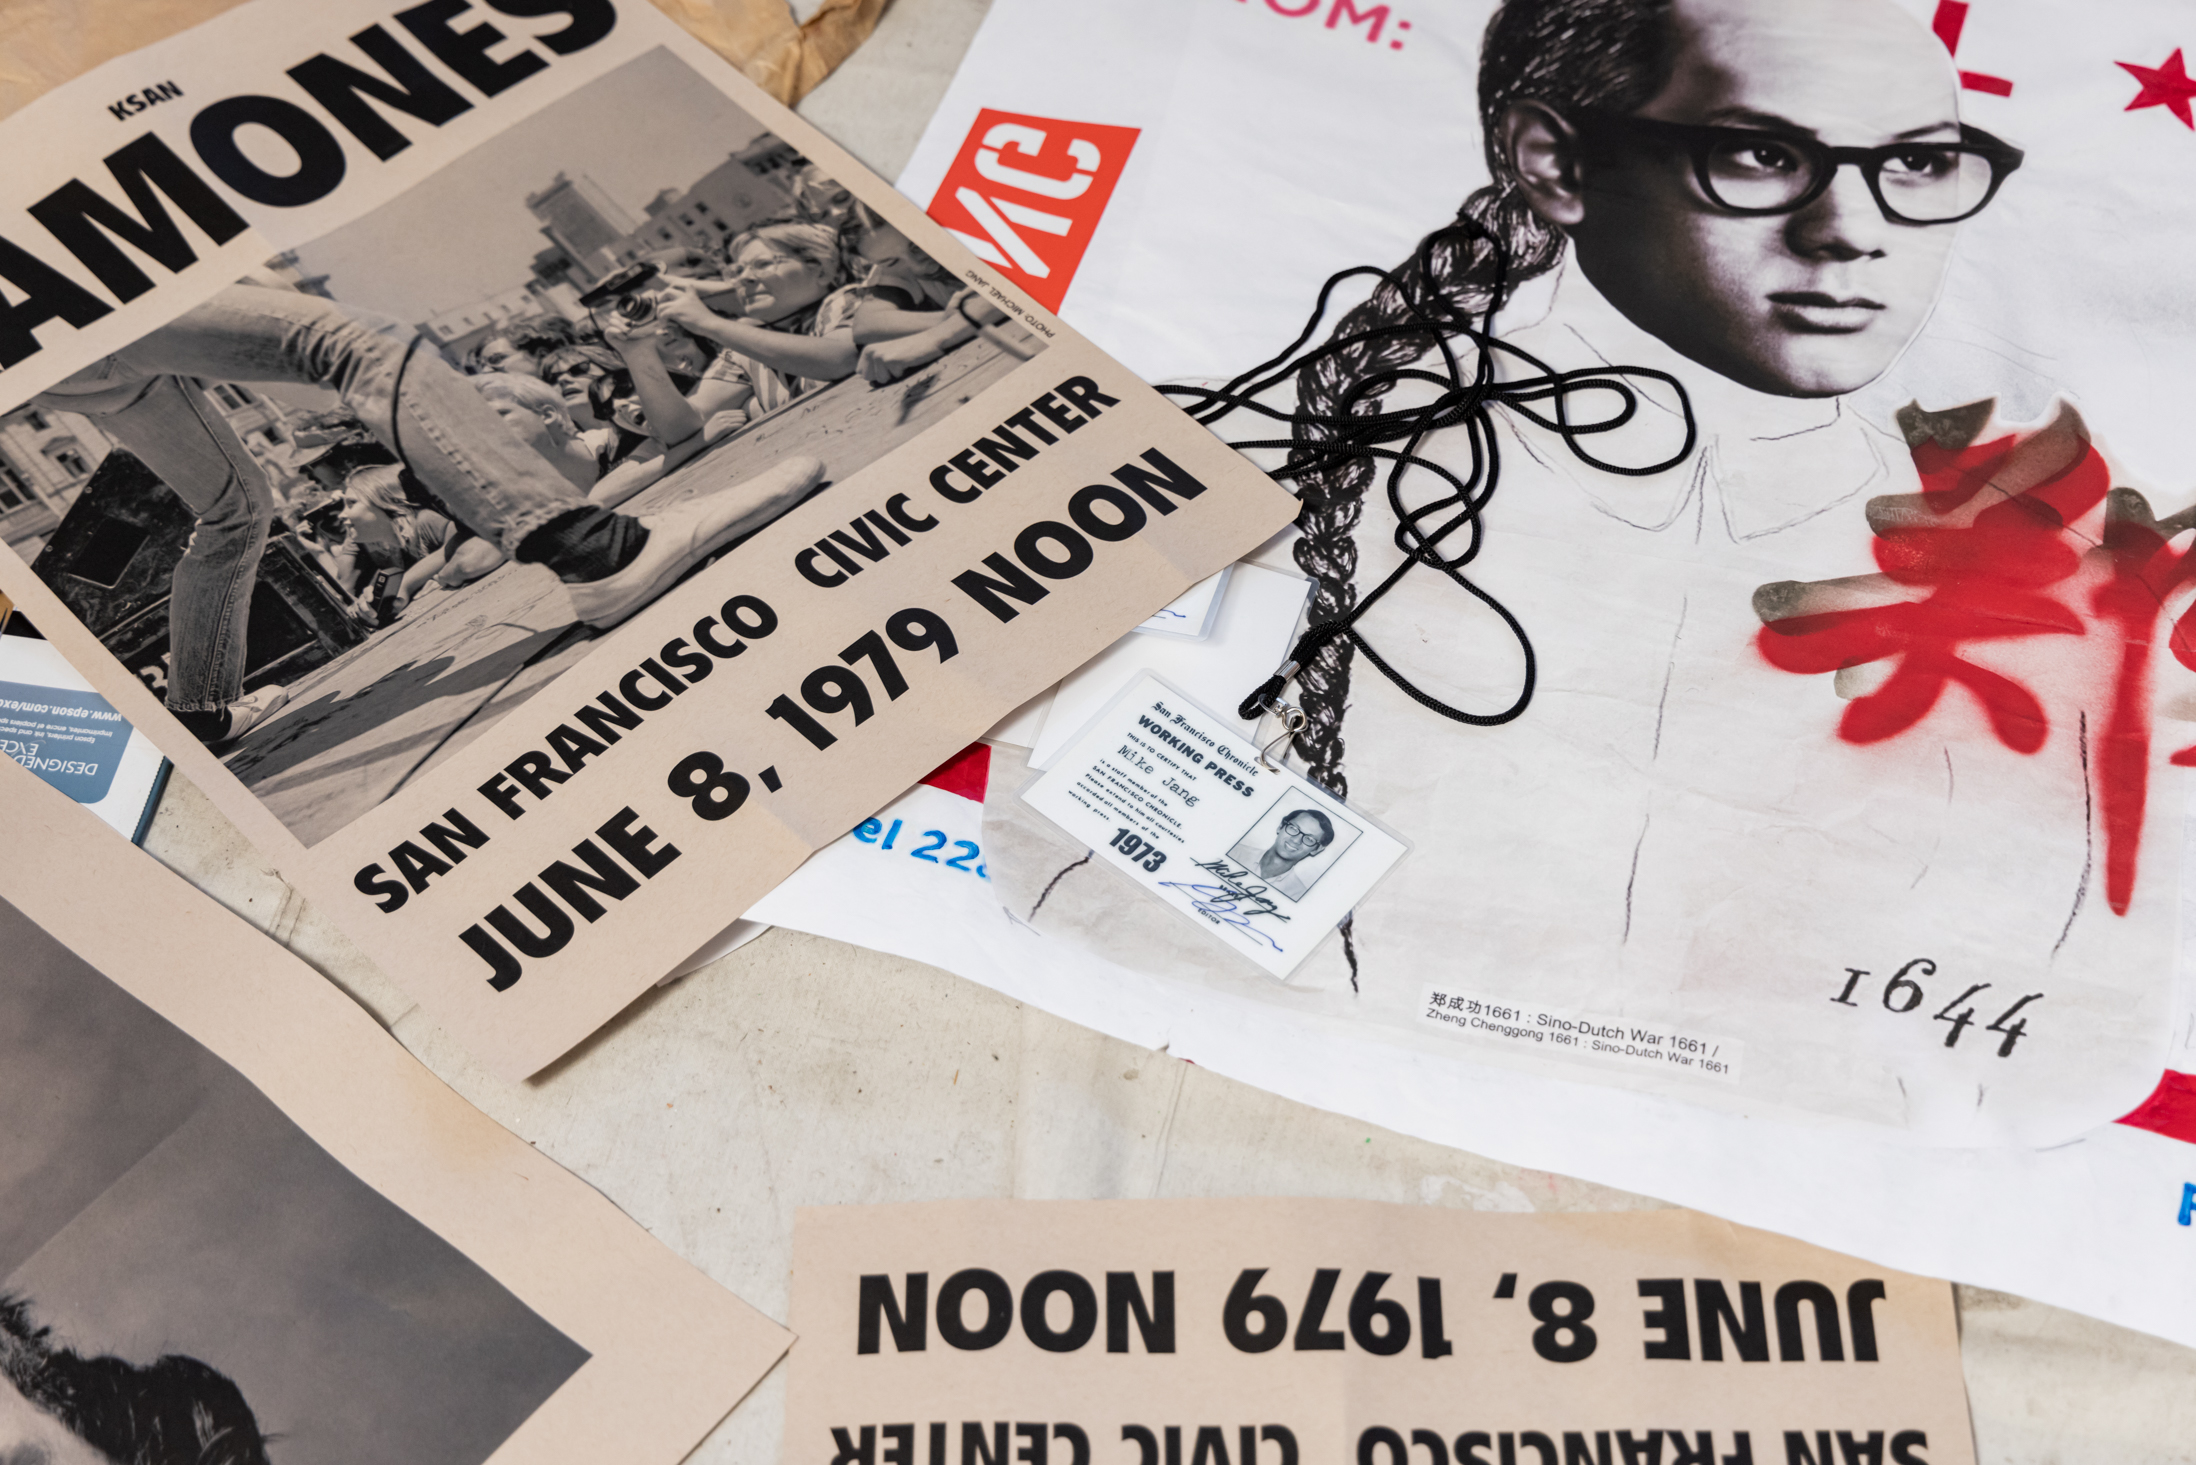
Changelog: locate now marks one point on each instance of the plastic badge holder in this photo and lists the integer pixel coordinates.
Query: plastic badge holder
(1192, 613)
(1166, 791)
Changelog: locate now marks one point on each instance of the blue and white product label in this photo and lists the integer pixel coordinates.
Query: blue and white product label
(73, 740)
(1171, 794)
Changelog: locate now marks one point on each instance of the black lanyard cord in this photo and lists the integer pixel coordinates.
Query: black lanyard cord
(1362, 433)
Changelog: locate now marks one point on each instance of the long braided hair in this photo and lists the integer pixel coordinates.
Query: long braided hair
(1572, 55)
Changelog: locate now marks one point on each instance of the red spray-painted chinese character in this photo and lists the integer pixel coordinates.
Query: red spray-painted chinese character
(2145, 571)
(1994, 549)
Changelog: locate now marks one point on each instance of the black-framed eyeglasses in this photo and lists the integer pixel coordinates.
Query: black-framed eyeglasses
(1756, 171)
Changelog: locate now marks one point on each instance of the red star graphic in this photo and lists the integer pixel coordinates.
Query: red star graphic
(2165, 86)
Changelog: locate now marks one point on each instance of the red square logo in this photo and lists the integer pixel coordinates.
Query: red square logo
(1025, 195)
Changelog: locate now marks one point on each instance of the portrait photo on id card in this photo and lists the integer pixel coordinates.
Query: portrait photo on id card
(1292, 845)
(1169, 794)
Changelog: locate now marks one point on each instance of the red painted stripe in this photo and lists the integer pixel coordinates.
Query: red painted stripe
(2170, 1110)
(1976, 81)
(1950, 19)
(965, 773)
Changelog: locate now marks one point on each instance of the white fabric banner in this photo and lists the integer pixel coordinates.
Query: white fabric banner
(2094, 1225)
(1849, 728)
(1276, 144)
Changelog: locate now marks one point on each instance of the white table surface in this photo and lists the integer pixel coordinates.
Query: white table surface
(799, 1071)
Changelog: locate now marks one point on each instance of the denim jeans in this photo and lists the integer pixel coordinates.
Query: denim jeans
(454, 441)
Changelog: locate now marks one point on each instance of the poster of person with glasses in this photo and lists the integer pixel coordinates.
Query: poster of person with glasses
(1801, 697)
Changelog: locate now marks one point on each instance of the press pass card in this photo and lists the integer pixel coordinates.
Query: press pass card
(1172, 795)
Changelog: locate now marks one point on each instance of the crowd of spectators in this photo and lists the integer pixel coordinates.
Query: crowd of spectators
(668, 360)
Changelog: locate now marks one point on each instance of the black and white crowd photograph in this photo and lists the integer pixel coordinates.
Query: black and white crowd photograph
(350, 510)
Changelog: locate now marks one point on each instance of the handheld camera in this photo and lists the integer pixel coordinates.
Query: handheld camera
(626, 292)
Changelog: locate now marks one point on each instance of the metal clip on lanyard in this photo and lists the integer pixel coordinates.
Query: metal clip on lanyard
(1267, 699)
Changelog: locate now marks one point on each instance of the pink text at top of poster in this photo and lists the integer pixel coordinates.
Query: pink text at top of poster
(1367, 23)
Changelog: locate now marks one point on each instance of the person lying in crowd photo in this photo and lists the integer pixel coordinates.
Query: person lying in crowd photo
(909, 310)
(148, 395)
(315, 521)
(356, 540)
(819, 198)
(518, 346)
(620, 453)
(336, 447)
(617, 451)
(573, 371)
(366, 529)
(676, 378)
(436, 553)
(539, 413)
(392, 545)
(58, 1407)
(623, 435)
(628, 455)
(653, 409)
(792, 330)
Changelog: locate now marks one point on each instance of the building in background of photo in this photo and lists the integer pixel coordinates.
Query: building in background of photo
(558, 276)
(593, 235)
(286, 267)
(581, 218)
(727, 199)
(265, 426)
(770, 157)
(462, 327)
(46, 458)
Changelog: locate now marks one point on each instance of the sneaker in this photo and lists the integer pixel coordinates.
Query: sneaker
(681, 537)
(249, 711)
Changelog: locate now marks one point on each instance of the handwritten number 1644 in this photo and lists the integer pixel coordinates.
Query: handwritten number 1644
(1902, 993)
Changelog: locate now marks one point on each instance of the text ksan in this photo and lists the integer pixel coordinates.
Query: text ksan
(92, 227)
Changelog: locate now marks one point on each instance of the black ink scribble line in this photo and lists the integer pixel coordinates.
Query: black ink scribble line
(1631, 879)
(1055, 880)
(1668, 668)
(1939, 840)
(1349, 945)
(2089, 842)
